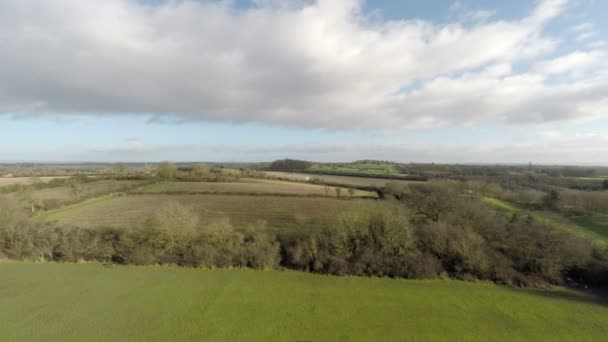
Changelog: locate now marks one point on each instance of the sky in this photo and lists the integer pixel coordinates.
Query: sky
(445, 81)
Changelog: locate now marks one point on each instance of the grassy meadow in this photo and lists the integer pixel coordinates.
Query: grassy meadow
(592, 227)
(92, 302)
(240, 209)
(366, 168)
(597, 224)
(252, 186)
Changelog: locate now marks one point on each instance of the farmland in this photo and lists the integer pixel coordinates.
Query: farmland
(287, 257)
(133, 210)
(90, 302)
(591, 227)
(251, 186)
(24, 180)
(87, 190)
(338, 180)
(365, 168)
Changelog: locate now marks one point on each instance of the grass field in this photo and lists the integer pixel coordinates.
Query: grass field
(90, 302)
(88, 190)
(341, 180)
(591, 227)
(595, 223)
(24, 180)
(132, 210)
(250, 186)
(368, 168)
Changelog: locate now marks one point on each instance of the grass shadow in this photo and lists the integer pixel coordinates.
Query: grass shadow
(570, 294)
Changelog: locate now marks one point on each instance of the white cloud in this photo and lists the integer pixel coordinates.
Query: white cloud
(585, 36)
(549, 135)
(584, 31)
(584, 27)
(576, 61)
(296, 63)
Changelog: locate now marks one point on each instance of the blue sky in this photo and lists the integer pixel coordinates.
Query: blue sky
(433, 81)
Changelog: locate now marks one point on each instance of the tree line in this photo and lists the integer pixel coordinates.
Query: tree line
(446, 236)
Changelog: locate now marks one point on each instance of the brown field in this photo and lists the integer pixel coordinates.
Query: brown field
(340, 180)
(126, 211)
(24, 180)
(252, 186)
(88, 190)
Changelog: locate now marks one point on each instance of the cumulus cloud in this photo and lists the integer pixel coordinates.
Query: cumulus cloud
(578, 61)
(583, 31)
(323, 63)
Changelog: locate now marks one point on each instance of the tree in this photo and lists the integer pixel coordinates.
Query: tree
(551, 199)
(605, 184)
(76, 188)
(200, 171)
(120, 169)
(431, 201)
(396, 189)
(351, 192)
(290, 164)
(166, 170)
(27, 193)
(338, 191)
(175, 217)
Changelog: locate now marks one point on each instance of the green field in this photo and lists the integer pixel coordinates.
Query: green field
(341, 180)
(126, 211)
(90, 302)
(593, 227)
(500, 204)
(251, 186)
(368, 168)
(594, 223)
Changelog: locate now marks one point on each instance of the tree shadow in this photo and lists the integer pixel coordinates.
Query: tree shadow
(595, 297)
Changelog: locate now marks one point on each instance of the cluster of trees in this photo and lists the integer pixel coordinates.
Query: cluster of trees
(338, 191)
(290, 165)
(455, 170)
(199, 172)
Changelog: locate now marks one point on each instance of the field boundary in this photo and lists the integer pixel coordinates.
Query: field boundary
(356, 174)
(266, 194)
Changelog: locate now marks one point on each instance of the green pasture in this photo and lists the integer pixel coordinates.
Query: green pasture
(92, 302)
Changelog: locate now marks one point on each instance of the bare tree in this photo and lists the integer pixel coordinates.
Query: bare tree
(338, 191)
(120, 169)
(351, 192)
(431, 201)
(76, 189)
(200, 171)
(166, 170)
